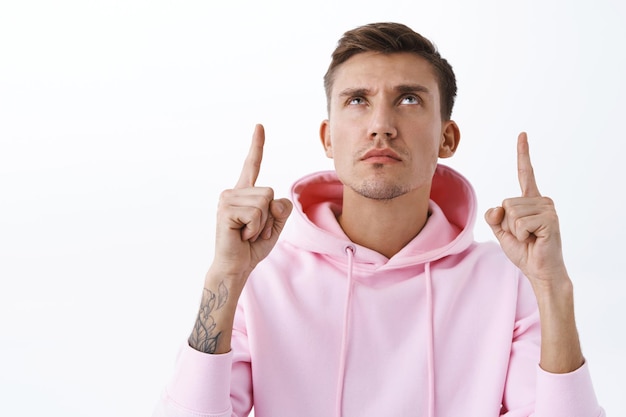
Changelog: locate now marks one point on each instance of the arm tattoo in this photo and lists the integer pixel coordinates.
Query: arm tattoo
(202, 337)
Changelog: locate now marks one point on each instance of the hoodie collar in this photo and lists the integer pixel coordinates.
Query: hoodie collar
(317, 200)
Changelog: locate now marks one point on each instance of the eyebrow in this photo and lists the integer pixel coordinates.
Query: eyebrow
(402, 88)
(350, 92)
(411, 88)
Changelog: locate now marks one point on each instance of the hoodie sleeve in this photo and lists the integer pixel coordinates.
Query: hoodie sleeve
(205, 385)
(531, 391)
(568, 394)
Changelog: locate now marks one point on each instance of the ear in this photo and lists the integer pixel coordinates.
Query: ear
(325, 138)
(450, 138)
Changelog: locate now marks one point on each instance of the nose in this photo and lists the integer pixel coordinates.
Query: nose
(382, 124)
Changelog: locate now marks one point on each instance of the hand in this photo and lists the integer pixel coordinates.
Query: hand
(249, 219)
(527, 227)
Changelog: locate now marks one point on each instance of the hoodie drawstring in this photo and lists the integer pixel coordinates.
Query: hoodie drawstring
(431, 342)
(430, 348)
(344, 336)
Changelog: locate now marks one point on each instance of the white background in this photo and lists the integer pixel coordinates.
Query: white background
(121, 121)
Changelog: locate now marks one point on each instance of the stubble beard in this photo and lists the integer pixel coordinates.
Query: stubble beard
(379, 188)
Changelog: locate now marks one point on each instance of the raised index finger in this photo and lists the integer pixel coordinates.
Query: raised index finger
(525, 172)
(252, 165)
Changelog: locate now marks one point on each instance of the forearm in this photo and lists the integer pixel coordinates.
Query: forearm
(212, 331)
(560, 345)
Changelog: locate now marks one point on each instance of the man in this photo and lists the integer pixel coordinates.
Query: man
(376, 300)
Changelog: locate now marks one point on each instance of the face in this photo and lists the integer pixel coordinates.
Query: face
(385, 132)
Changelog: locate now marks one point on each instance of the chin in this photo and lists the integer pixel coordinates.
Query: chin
(380, 190)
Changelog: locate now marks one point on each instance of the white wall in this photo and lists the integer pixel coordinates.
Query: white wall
(120, 122)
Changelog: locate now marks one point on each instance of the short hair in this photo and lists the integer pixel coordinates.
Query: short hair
(389, 38)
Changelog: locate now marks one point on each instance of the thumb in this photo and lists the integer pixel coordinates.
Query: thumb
(494, 217)
(280, 210)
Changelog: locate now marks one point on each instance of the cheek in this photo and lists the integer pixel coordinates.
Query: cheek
(425, 158)
(339, 143)
(340, 153)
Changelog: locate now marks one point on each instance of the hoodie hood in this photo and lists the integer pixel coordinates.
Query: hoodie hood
(317, 201)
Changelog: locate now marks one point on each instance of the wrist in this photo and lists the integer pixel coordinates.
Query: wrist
(233, 278)
(212, 330)
(560, 346)
(555, 291)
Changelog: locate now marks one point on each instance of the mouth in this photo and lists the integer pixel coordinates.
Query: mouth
(381, 156)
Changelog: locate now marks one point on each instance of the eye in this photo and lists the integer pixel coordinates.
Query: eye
(356, 101)
(410, 99)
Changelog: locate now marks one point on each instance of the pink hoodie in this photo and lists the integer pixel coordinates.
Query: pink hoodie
(447, 327)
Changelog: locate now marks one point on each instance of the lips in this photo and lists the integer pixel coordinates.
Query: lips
(381, 154)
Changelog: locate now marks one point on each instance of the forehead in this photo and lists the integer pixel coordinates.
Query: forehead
(375, 70)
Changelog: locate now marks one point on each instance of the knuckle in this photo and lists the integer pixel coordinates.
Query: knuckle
(512, 213)
(519, 223)
(225, 195)
(267, 192)
(253, 161)
(221, 202)
(256, 214)
(225, 199)
(265, 196)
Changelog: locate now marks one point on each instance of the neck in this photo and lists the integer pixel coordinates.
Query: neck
(385, 226)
